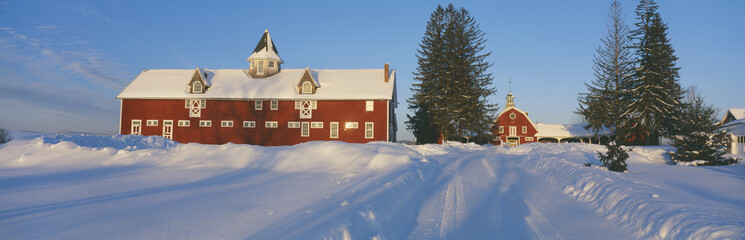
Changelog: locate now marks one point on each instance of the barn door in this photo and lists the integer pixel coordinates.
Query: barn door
(168, 129)
(513, 131)
(136, 127)
(195, 109)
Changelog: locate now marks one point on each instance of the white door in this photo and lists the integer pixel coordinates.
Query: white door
(168, 129)
(306, 110)
(513, 131)
(136, 127)
(195, 109)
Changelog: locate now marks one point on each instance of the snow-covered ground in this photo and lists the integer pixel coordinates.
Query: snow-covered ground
(134, 187)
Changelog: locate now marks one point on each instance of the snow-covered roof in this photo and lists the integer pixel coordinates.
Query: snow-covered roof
(565, 130)
(738, 113)
(736, 127)
(353, 84)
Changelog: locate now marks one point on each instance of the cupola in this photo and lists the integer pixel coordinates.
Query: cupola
(265, 60)
(510, 101)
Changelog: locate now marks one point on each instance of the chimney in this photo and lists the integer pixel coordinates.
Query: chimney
(386, 73)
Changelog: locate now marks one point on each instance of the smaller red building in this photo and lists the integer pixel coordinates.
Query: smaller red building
(512, 126)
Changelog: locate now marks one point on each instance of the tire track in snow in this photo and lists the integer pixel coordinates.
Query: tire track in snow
(453, 208)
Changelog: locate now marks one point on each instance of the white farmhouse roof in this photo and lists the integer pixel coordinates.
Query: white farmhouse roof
(738, 113)
(565, 130)
(355, 84)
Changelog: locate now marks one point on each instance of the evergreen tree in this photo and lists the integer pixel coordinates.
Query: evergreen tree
(608, 94)
(421, 125)
(657, 91)
(452, 84)
(615, 158)
(4, 136)
(698, 134)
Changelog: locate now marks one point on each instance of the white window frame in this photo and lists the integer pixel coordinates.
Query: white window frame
(334, 130)
(184, 123)
(513, 116)
(293, 124)
(274, 105)
(351, 125)
(369, 106)
(369, 130)
(306, 110)
(316, 125)
(501, 129)
(138, 124)
(513, 130)
(525, 129)
(197, 87)
(528, 139)
(202, 103)
(270, 124)
(272, 64)
(152, 123)
(260, 67)
(205, 123)
(249, 124)
(298, 104)
(168, 129)
(258, 105)
(313, 104)
(226, 123)
(305, 129)
(307, 88)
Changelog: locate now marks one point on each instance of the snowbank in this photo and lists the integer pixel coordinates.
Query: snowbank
(654, 198)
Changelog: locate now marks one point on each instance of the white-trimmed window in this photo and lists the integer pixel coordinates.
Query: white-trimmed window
(305, 129)
(314, 104)
(368, 129)
(152, 122)
(258, 105)
(205, 123)
(307, 88)
(306, 110)
(528, 138)
(249, 124)
(298, 104)
(197, 87)
(274, 105)
(351, 125)
(525, 129)
(184, 123)
(501, 129)
(136, 127)
(293, 124)
(369, 106)
(202, 103)
(227, 123)
(270, 124)
(334, 126)
(316, 125)
(260, 67)
(271, 64)
(512, 116)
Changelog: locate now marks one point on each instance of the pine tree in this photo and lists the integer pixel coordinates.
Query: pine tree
(615, 158)
(656, 88)
(421, 125)
(608, 95)
(4, 136)
(698, 133)
(452, 82)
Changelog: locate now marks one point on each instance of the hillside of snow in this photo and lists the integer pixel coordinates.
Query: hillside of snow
(135, 187)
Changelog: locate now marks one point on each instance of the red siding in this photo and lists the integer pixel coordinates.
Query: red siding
(520, 121)
(239, 111)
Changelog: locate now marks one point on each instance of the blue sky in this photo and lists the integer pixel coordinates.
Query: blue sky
(62, 63)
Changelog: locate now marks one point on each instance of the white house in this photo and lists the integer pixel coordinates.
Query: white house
(734, 122)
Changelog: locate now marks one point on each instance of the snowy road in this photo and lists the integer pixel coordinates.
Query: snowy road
(481, 194)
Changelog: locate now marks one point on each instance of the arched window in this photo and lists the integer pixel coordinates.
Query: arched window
(307, 88)
(197, 87)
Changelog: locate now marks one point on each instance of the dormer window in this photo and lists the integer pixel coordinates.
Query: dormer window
(307, 88)
(197, 87)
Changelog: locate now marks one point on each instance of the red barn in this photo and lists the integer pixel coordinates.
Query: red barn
(262, 105)
(512, 126)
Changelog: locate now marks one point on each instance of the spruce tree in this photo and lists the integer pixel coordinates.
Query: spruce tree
(608, 95)
(656, 89)
(698, 133)
(451, 82)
